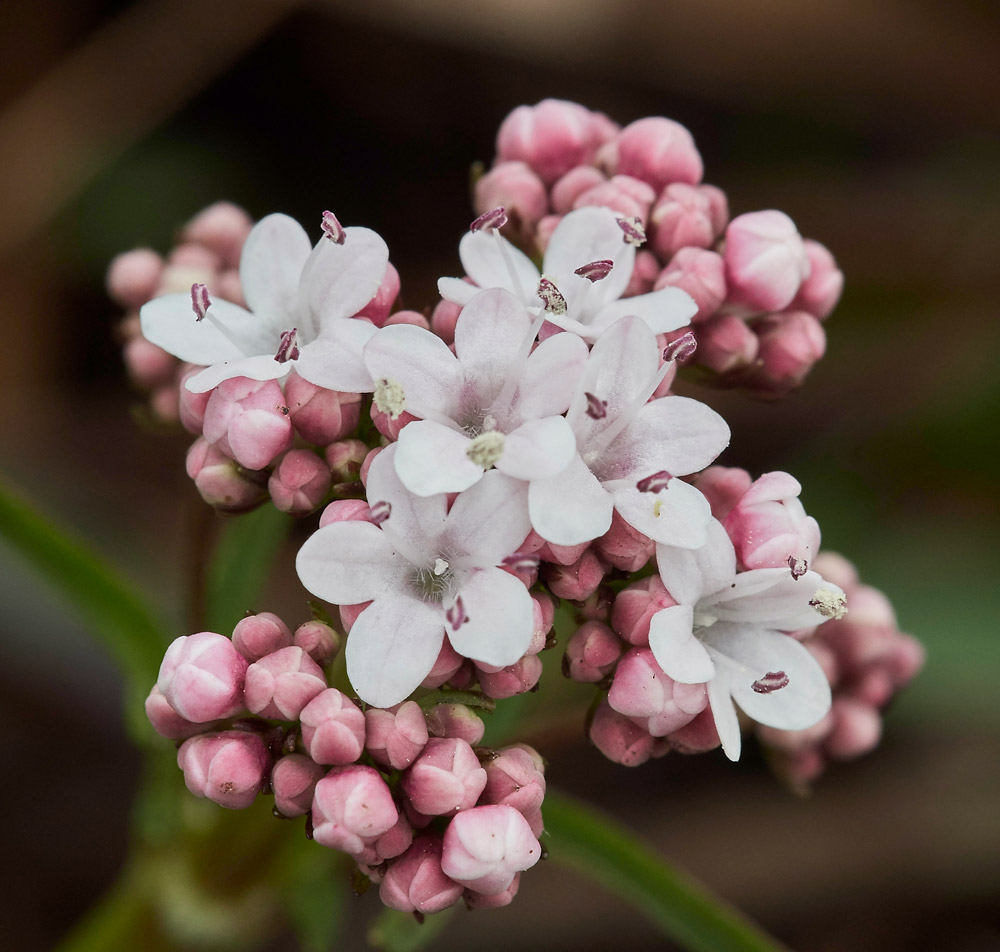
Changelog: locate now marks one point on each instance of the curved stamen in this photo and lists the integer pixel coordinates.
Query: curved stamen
(288, 349)
(333, 229)
(772, 681)
(494, 218)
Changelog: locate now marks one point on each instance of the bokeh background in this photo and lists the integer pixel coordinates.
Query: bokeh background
(873, 123)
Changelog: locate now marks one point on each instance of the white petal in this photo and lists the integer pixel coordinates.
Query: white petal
(490, 333)
(170, 323)
(334, 360)
(256, 368)
(772, 598)
(498, 625)
(724, 715)
(570, 508)
(270, 266)
(591, 234)
(350, 562)
(551, 374)
(748, 654)
(487, 265)
(421, 362)
(392, 647)
(661, 311)
(688, 574)
(431, 458)
(456, 290)
(489, 521)
(676, 649)
(678, 515)
(339, 280)
(538, 449)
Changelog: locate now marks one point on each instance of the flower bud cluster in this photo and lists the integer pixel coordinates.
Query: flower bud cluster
(762, 291)
(406, 791)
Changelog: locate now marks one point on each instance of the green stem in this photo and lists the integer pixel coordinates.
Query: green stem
(473, 699)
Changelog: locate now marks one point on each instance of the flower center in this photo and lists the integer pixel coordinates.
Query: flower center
(486, 449)
(432, 583)
(829, 604)
(390, 398)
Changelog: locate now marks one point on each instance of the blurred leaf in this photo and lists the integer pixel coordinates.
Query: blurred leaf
(241, 563)
(121, 919)
(597, 847)
(313, 888)
(118, 617)
(400, 932)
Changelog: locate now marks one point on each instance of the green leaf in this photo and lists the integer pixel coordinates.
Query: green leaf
(240, 565)
(596, 846)
(313, 888)
(118, 617)
(400, 932)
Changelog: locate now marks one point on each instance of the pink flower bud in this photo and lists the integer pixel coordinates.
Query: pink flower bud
(476, 900)
(202, 677)
(552, 137)
(449, 661)
(726, 344)
(415, 882)
(641, 689)
(352, 807)
(518, 678)
(293, 781)
(618, 738)
(682, 218)
(445, 778)
(349, 614)
(165, 720)
(455, 720)
(279, 685)
(318, 640)
(857, 729)
(413, 318)
(543, 614)
(698, 736)
(345, 510)
(220, 481)
(573, 184)
(261, 634)
(789, 344)
(635, 605)
(148, 366)
(299, 483)
(389, 427)
(700, 273)
(191, 406)
(658, 151)
(723, 487)
(378, 309)
(396, 736)
(592, 652)
(344, 459)
(820, 292)
(194, 257)
(578, 580)
(222, 227)
(769, 525)
(542, 235)
(133, 277)
(515, 187)
(644, 273)
(515, 779)
(333, 728)
(766, 261)
(485, 847)
(835, 568)
(248, 420)
(623, 546)
(320, 416)
(227, 768)
(444, 318)
(621, 193)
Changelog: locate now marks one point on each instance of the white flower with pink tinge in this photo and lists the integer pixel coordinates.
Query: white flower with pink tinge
(427, 571)
(300, 300)
(629, 449)
(727, 631)
(587, 266)
(494, 402)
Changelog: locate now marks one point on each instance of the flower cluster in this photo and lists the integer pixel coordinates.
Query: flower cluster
(520, 456)
(424, 812)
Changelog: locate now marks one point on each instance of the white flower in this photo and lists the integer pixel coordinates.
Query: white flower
(300, 299)
(427, 571)
(629, 449)
(494, 402)
(583, 238)
(726, 631)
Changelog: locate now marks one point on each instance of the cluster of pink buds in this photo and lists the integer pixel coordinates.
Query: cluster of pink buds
(427, 813)
(762, 291)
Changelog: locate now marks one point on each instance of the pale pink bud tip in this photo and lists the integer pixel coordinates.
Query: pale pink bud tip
(552, 297)
(798, 567)
(415, 883)
(681, 348)
(379, 512)
(352, 806)
(200, 301)
(288, 349)
(227, 768)
(494, 218)
(486, 846)
(595, 270)
(445, 778)
(293, 781)
(333, 229)
(632, 230)
(597, 409)
(262, 634)
(202, 677)
(654, 483)
(772, 681)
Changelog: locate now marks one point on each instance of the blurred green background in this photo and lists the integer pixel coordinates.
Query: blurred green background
(873, 124)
